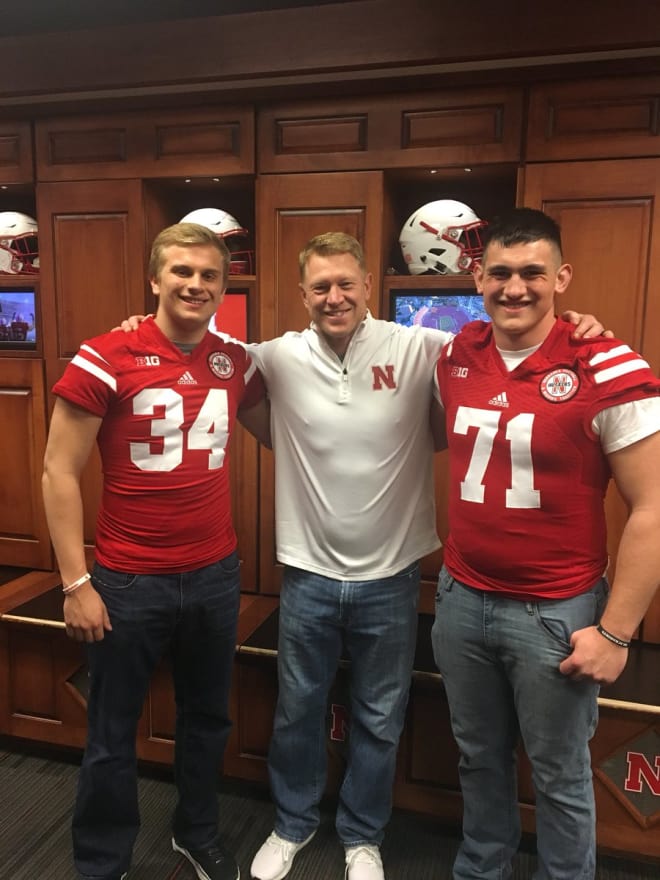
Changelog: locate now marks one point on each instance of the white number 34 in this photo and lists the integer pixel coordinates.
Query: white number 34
(210, 430)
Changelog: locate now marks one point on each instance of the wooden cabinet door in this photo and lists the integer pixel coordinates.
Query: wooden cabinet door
(93, 261)
(93, 274)
(24, 539)
(610, 218)
(290, 210)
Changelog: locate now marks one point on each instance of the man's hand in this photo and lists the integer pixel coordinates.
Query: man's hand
(587, 326)
(85, 615)
(593, 657)
(128, 325)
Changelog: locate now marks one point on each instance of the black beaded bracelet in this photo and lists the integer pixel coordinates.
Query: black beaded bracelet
(622, 643)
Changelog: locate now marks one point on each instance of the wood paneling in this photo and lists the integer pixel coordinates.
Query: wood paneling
(16, 155)
(93, 259)
(364, 41)
(24, 537)
(594, 119)
(37, 664)
(458, 127)
(157, 144)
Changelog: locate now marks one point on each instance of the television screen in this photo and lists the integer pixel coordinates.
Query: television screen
(18, 324)
(440, 311)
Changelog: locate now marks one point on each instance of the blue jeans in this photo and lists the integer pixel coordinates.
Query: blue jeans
(193, 617)
(499, 662)
(376, 623)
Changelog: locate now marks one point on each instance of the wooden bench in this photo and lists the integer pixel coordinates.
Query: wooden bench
(43, 677)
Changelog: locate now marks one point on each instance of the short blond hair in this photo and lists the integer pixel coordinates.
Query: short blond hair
(328, 244)
(186, 235)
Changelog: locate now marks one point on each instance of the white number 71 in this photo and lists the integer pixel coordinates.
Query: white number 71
(519, 434)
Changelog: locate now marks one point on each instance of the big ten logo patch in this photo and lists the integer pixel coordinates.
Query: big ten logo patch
(632, 775)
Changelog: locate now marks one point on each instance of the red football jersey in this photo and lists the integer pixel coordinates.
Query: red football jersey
(167, 419)
(527, 473)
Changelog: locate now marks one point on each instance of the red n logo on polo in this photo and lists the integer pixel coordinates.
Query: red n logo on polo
(383, 377)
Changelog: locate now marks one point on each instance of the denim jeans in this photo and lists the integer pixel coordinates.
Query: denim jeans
(192, 616)
(499, 662)
(376, 623)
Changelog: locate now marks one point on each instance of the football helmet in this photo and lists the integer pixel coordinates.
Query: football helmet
(228, 228)
(19, 244)
(441, 237)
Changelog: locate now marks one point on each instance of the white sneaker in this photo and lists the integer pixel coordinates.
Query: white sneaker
(363, 863)
(274, 859)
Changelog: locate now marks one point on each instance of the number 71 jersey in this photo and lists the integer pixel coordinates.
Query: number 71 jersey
(528, 473)
(167, 419)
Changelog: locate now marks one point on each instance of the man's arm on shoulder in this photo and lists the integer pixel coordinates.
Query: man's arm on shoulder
(70, 440)
(586, 326)
(636, 471)
(128, 325)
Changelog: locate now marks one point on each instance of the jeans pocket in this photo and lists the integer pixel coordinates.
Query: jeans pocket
(445, 583)
(409, 573)
(109, 579)
(230, 565)
(560, 618)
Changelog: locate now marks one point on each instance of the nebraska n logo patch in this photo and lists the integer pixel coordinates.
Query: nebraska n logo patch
(383, 376)
(632, 775)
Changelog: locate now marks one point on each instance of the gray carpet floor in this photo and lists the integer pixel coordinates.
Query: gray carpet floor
(37, 790)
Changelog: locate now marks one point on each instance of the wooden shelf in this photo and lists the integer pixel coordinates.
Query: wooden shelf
(428, 282)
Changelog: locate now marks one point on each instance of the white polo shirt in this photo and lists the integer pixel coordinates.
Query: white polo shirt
(354, 490)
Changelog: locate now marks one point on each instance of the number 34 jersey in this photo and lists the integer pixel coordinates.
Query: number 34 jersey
(528, 473)
(167, 418)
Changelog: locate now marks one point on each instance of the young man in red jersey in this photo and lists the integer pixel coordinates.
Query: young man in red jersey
(537, 422)
(161, 404)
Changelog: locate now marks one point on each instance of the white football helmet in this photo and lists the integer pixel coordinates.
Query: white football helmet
(442, 238)
(19, 244)
(228, 228)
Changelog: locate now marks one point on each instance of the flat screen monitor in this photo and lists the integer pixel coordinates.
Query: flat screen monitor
(441, 311)
(18, 323)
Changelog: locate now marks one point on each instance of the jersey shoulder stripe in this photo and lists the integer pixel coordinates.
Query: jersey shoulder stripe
(617, 362)
(91, 361)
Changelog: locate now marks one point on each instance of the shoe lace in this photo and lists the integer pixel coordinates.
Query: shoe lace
(286, 846)
(366, 854)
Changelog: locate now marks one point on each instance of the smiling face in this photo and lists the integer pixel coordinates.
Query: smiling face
(519, 284)
(190, 286)
(335, 291)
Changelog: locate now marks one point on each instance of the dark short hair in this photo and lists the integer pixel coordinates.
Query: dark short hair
(327, 245)
(186, 235)
(522, 226)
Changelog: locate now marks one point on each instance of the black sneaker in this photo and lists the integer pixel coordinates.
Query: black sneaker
(213, 862)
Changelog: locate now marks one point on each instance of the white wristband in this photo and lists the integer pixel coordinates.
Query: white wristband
(74, 586)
